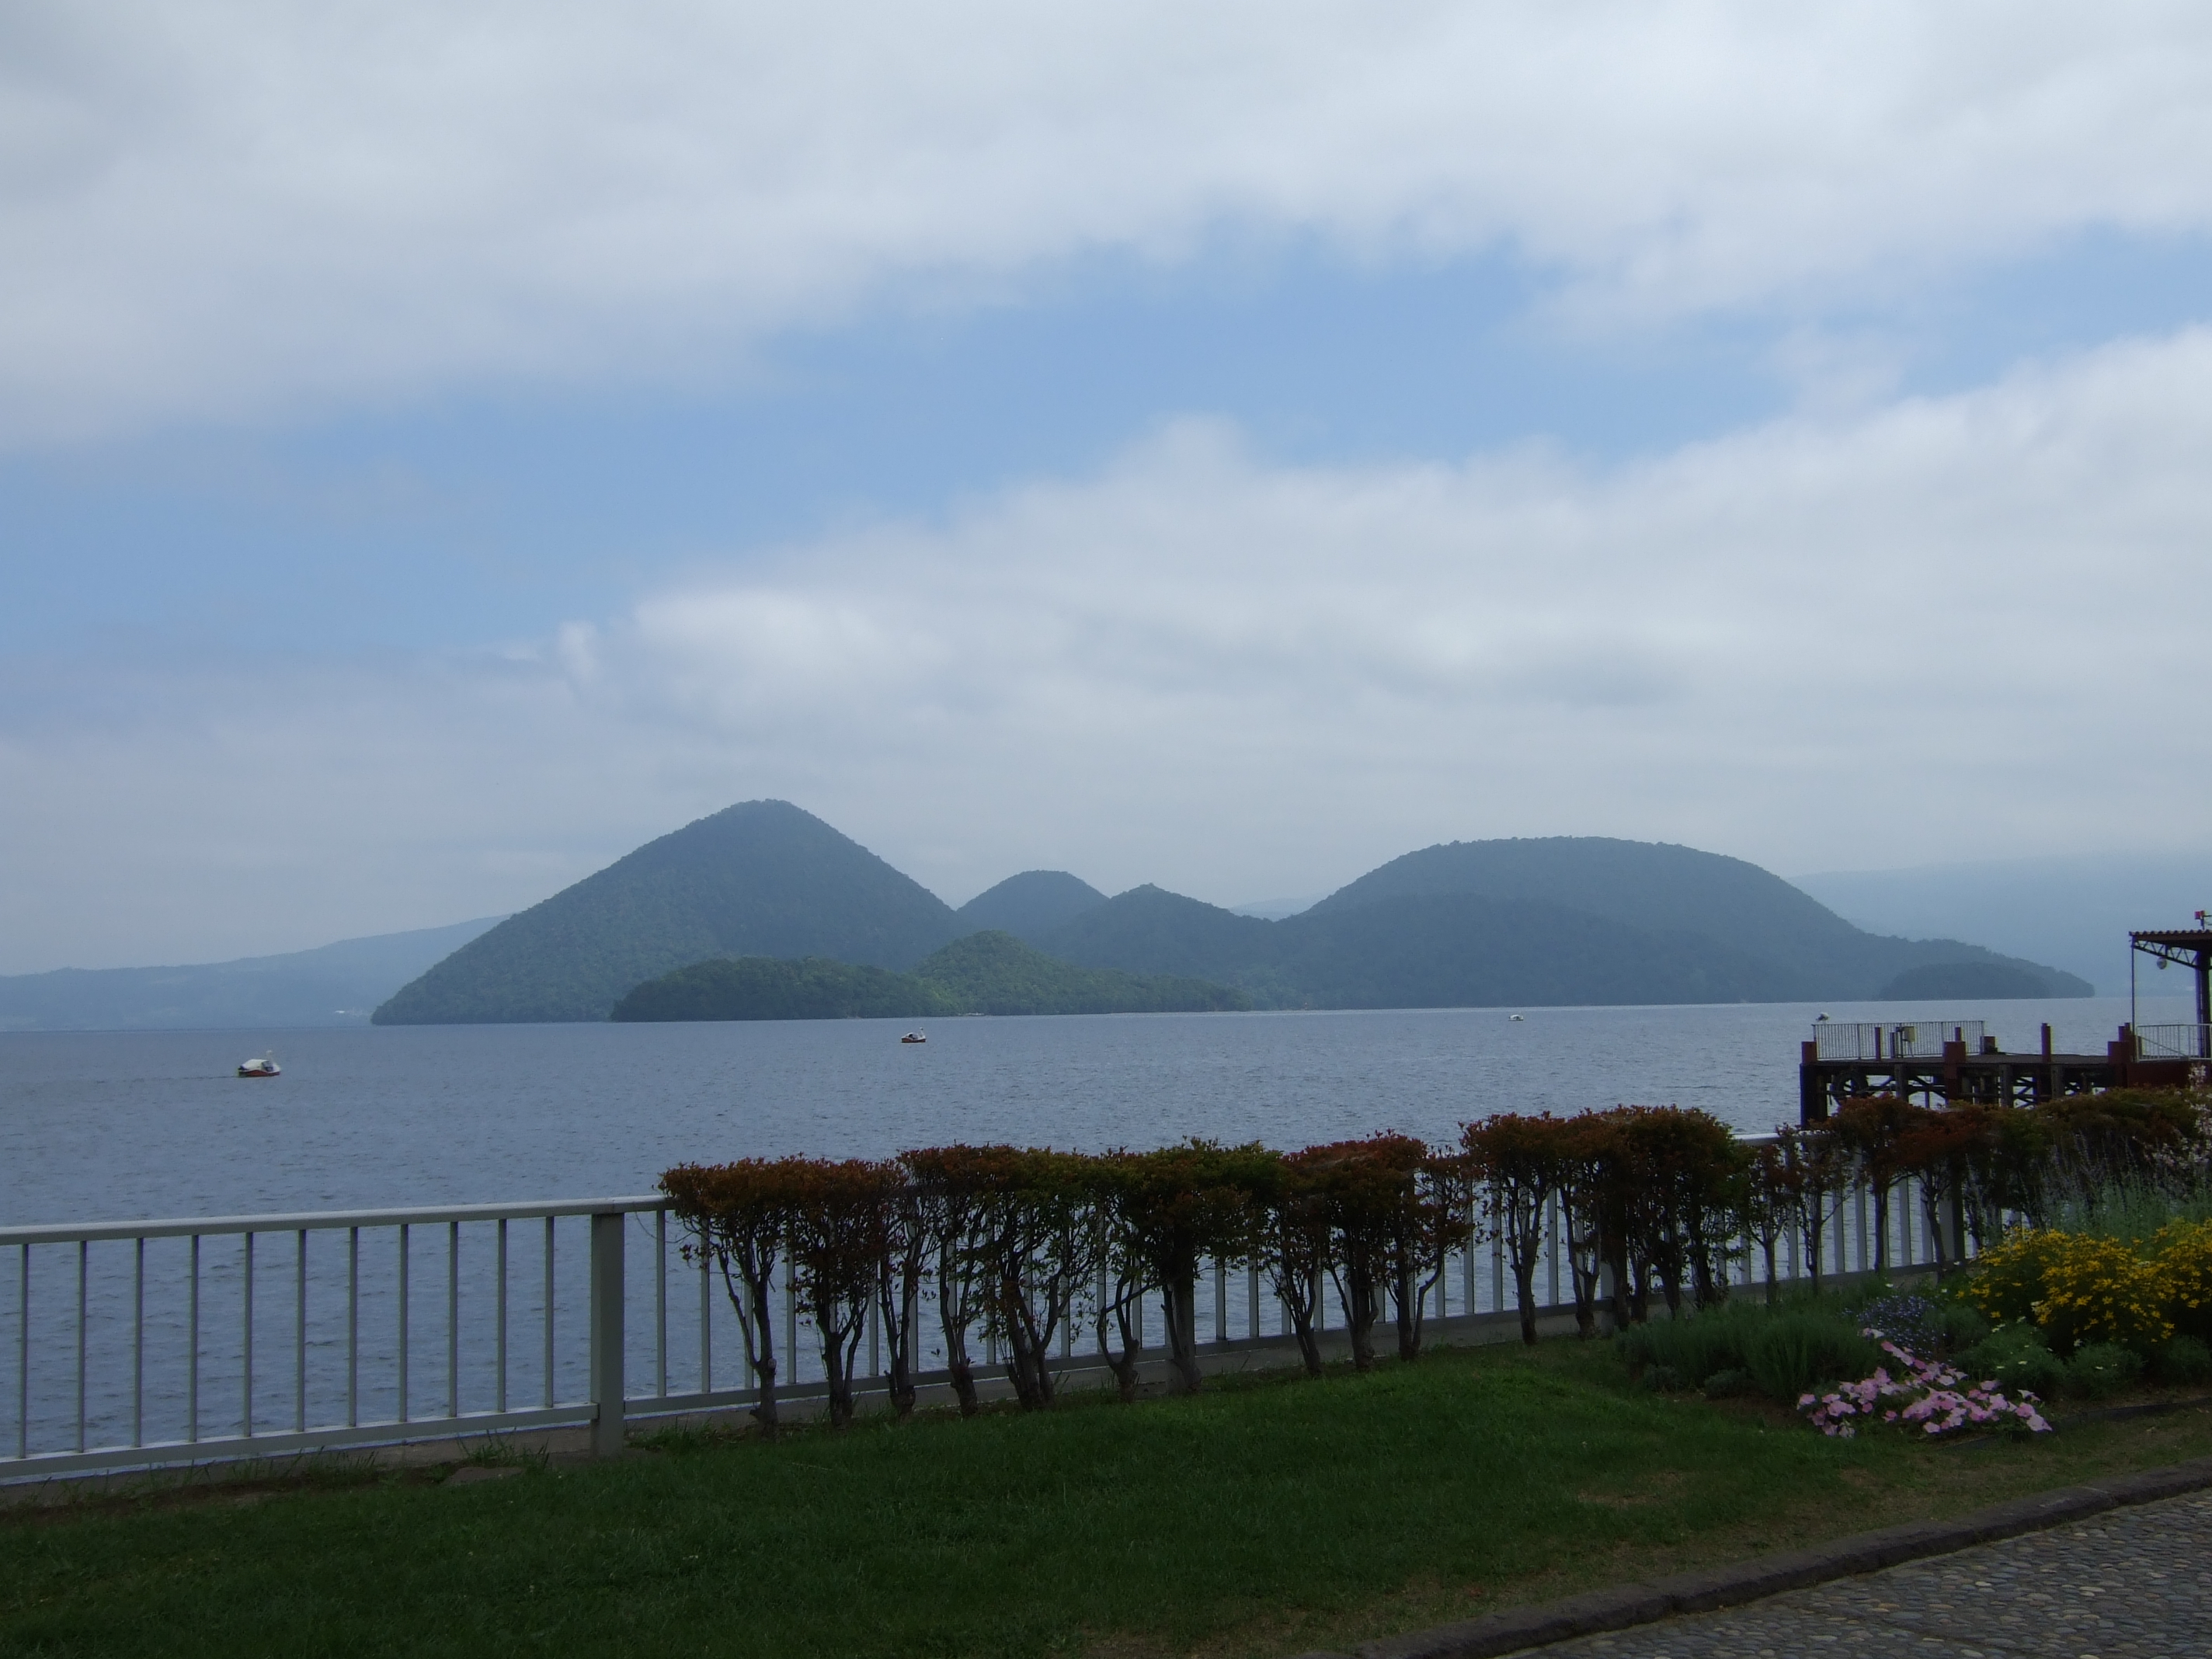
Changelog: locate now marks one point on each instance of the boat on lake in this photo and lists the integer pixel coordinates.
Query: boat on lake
(260, 1066)
(915, 1037)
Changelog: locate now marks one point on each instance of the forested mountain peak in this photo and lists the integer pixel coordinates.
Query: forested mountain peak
(1555, 920)
(1654, 885)
(1031, 904)
(762, 878)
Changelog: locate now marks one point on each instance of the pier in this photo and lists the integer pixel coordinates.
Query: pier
(1939, 1061)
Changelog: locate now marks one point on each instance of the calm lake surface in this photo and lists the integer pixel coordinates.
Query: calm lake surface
(130, 1125)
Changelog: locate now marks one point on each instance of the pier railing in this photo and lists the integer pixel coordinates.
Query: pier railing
(1893, 1040)
(2173, 1041)
(147, 1344)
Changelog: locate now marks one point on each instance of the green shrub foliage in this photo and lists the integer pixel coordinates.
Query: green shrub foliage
(1650, 1207)
(1797, 1351)
(2015, 1356)
(2100, 1370)
(1781, 1354)
(2186, 1361)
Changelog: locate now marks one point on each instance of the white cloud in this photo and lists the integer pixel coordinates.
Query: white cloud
(234, 206)
(1945, 628)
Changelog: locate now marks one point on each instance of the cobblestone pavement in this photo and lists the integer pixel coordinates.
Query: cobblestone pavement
(2132, 1582)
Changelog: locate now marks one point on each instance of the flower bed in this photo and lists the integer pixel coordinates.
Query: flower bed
(2081, 1289)
(1932, 1396)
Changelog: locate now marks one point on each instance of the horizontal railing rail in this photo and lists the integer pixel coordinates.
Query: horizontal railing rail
(144, 1344)
(320, 1220)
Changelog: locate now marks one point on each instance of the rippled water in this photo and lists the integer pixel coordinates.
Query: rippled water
(120, 1127)
(129, 1125)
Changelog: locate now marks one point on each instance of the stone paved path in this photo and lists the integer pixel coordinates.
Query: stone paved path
(2132, 1582)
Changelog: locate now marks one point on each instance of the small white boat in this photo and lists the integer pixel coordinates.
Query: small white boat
(915, 1036)
(1514, 1017)
(260, 1066)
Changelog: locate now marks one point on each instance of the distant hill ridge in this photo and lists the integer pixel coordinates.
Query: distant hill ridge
(331, 985)
(986, 973)
(1556, 920)
(1566, 919)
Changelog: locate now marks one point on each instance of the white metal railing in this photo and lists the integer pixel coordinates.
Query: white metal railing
(320, 1357)
(2174, 1042)
(538, 1315)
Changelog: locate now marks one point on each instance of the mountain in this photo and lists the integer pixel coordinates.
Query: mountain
(331, 985)
(1464, 950)
(1808, 949)
(1980, 982)
(2074, 911)
(764, 987)
(987, 973)
(1032, 903)
(1411, 951)
(1581, 920)
(1563, 919)
(995, 973)
(1149, 930)
(759, 879)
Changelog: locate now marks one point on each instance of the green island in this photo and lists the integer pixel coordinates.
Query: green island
(987, 973)
(1553, 921)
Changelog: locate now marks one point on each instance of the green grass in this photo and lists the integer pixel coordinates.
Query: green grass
(1265, 1517)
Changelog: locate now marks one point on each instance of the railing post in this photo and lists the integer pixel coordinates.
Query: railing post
(607, 1323)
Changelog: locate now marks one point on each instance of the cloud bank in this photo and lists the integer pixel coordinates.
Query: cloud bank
(1948, 629)
(234, 207)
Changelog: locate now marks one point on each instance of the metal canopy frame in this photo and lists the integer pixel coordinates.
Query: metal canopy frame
(2190, 946)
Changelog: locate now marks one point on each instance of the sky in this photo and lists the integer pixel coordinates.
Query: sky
(442, 447)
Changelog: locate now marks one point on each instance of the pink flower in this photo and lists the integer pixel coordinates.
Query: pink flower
(1932, 1397)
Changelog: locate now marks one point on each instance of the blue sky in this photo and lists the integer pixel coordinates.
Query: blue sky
(1225, 451)
(480, 515)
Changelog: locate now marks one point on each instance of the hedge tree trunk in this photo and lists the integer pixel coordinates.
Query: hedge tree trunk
(1179, 1301)
(1585, 1272)
(1302, 1326)
(1409, 1295)
(899, 1306)
(840, 1343)
(1294, 1270)
(956, 1318)
(1524, 1296)
(749, 1294)
(1357, 1288)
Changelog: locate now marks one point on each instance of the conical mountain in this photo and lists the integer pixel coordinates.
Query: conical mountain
(1031, 904)
(762, 878)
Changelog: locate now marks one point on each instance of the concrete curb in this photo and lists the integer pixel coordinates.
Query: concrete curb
(1521, 1628)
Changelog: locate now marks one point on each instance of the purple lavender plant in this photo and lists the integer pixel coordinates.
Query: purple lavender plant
(1906, 1317)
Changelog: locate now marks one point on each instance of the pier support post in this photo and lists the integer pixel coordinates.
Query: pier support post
(1812, 1090)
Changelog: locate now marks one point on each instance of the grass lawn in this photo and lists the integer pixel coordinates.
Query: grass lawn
(1264, 1517)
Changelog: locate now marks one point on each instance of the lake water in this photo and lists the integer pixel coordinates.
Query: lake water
(125, 1125)
(117, 1126)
